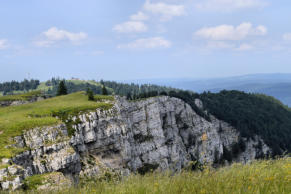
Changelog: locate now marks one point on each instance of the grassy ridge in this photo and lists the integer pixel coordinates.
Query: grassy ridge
(24, 96)
(271, 176)
(15, 119)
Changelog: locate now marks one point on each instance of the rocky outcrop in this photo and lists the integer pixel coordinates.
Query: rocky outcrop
(158, 133)
(19, 102)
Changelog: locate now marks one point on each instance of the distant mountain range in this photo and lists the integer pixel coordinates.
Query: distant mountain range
(277, 85)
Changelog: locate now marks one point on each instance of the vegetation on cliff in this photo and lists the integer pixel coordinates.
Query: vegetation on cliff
(266, 176)
(15, 119)
(21, 97)
(253, 115)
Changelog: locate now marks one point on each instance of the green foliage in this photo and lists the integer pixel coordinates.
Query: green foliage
(15, 119)
(104, 90)
(129, 97)
(62, 89)
(25, 96)
(253, 115)
(32, 182)
(266, 177)
(51, 86)
(103, 98)
(90, 94)
(135, 90)
(146, 168)
(26, 85)
(53, 179)
(189, 98)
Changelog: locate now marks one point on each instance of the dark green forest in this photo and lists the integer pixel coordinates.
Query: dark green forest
(253, 114)
(25, 85)
(71, 87)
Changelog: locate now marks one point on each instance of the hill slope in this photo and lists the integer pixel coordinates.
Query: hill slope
(14, 120)
(266, 177)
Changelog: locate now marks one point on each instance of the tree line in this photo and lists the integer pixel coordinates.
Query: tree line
(25, 85)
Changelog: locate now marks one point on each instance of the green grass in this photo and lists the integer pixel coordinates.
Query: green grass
(33, 182)
(24, 96)
(43, 87)
(92, 82)
(15, 119)
(103, 97)
(262, 177)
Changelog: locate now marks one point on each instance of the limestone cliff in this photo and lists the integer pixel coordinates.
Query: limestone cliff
(158, 133)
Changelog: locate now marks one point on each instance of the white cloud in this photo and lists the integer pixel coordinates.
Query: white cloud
(230, 5)
(167, 11)
(245, 47)
(140, 16)
(287, 36)
(54, 35)
(130, 27)
(44, 43)
(3, 44)
(147, 43)
(229, 32)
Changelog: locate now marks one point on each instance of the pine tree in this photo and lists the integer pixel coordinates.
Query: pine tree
(128, 97)
(104, 90)
(90, 94)
(62, 90)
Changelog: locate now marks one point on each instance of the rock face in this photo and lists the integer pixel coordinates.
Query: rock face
(158, 133)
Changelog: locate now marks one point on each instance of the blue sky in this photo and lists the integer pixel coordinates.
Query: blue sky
(139, 39)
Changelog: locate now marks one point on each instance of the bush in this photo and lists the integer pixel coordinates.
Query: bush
(90, 94)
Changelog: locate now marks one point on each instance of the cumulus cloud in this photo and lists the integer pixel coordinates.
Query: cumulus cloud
(167, 11)
(54, 35)
(147, 43)
(229, 5)
(3, 44)
(229, 32)
(163, 11)
(287, 36)
(130, 27)
(140, 16)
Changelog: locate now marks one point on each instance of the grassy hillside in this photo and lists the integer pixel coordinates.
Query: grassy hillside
(266, 177)
(24, 96)
(15, 119)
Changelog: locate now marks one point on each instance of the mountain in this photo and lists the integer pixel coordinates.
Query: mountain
(276, 85)
(71, 138)
(112, 137)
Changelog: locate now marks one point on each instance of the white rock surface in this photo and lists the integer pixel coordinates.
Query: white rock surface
(159, 133)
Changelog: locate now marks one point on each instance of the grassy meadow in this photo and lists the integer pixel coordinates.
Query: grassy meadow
(15, 119)
(260, 177)
(23, 96)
